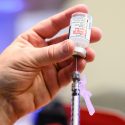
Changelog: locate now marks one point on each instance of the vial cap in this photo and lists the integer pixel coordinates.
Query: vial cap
(79, 51)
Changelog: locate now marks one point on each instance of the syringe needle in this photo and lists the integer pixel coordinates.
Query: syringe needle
(76, 62)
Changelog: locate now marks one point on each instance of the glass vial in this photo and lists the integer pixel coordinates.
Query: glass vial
(80, 31)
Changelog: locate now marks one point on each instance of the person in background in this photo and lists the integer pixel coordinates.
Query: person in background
(33, 68)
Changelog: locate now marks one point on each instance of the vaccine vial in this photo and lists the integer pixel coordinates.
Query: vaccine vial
(80, 31)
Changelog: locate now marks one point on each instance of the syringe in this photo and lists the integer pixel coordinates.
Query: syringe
(75, 116)
(80, 30)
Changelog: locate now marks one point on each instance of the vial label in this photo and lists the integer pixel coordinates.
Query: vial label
(81, 26)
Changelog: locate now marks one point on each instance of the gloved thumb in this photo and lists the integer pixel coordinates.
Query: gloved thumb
(54, 53)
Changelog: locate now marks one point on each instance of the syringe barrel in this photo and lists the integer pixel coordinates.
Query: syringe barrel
(75, 119)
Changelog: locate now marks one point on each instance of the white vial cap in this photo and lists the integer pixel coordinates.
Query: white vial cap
(80, 51)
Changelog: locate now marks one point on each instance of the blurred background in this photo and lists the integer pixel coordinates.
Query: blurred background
(106, 75)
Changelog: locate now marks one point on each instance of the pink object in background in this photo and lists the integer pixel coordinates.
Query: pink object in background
(86, 95)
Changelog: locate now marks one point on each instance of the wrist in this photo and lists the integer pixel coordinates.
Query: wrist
(7, 116)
